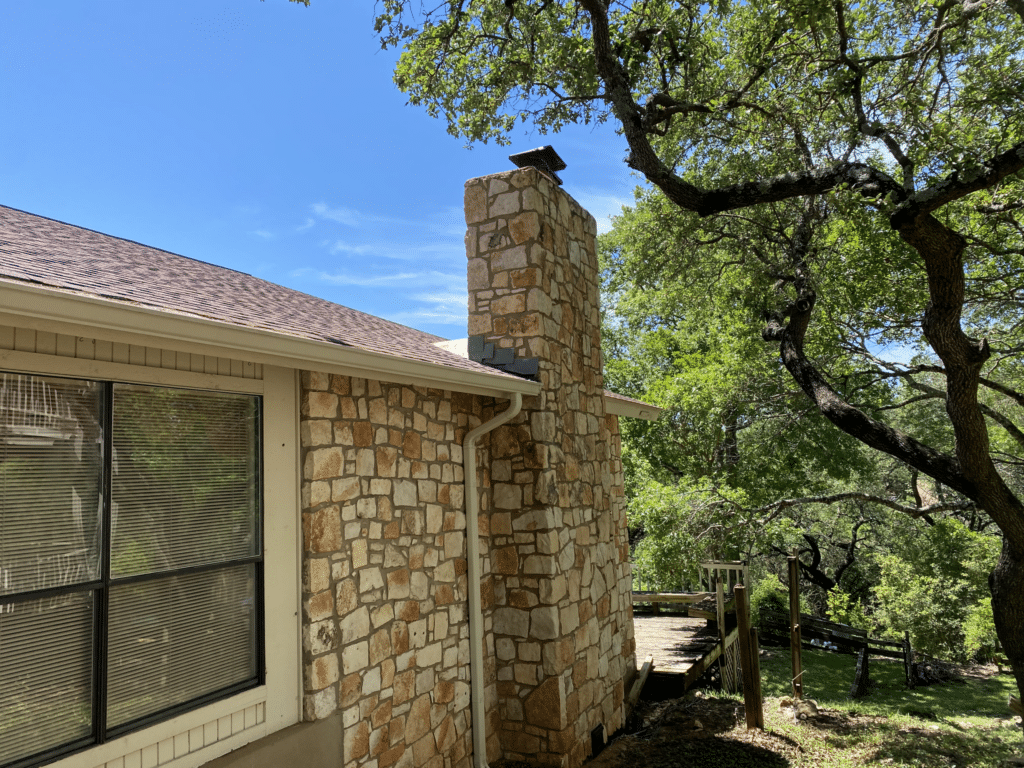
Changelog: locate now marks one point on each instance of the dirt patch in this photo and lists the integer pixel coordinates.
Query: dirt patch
(695, 732)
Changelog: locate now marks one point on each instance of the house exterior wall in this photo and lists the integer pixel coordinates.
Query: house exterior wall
(560, 580)
(207, 732)
(386, 632)
(386, 638)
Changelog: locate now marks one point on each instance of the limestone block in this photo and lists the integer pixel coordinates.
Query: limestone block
(359, 548)
(404, 686)
(417, 724)
(355, 658)
(545, 706)
(370, 579)
(371, 680)
(429, 655)
(315, 380)
(357, 741)
(504, 204)
(509, 305)
(506, 561)
(322, 405)
(320, 606)
(505, 649)
(345, 489)
(511, 621)
(355, 625)
(548, 542)
(324, 530)
(398, 584)
(318, 574)
(454, 544)
(544, 623)
(322, 704)
(365, 462)
(538, 520)
(351, 689)
(324, 463)
(554, 589)
(404, 493)
(382, 615)
(461, 695)
(569, 616)
(509, 259)
(322, 672)
(540, 564)
(475, 203)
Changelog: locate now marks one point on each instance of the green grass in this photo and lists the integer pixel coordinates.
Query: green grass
(950, 724)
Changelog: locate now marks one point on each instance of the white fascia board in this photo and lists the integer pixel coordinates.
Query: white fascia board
(632, 410)
(60, 311)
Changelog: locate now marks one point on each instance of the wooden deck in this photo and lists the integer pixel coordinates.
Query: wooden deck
(675, 642)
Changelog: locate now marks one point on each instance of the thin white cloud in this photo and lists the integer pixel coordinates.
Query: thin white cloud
(309, 223)
(341, 215)
(419, 278)
(264, 234)
(602, 206)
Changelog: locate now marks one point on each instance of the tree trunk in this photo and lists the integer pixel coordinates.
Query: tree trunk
(1007, 585)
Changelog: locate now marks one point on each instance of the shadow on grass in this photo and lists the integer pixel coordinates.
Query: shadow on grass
(711, 752)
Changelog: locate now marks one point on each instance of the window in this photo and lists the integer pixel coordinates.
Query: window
(130, 558)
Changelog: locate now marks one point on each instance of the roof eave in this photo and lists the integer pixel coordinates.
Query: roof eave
(632, 410)
(61, 310)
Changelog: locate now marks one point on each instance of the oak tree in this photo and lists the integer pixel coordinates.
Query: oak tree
(900, 119)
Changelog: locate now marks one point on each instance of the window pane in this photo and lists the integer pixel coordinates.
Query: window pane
(50, 474)
(176, 638)
(45, 674)
(184, 486)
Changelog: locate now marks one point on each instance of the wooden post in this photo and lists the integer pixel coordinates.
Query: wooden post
(748, 651)
(908, 661)
(794, 628)
(720, 614)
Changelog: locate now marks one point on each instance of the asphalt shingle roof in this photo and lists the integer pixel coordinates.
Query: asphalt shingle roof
(42, 251)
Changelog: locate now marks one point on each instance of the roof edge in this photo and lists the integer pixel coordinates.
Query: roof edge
(179, 330)
(627, 406)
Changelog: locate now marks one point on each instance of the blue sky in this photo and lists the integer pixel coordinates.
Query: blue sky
(262, 136)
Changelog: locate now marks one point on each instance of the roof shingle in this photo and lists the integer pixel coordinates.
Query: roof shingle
(42, 251)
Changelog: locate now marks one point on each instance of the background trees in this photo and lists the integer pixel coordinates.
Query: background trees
(863, 157)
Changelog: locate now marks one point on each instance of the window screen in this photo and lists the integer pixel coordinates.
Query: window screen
(130, 558)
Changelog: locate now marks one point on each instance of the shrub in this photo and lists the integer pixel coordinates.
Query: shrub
(844, 608)
(769, 593)
(980, 632)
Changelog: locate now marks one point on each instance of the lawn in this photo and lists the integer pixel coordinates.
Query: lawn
(958, 723)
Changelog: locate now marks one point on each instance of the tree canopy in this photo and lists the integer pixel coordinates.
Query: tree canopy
(858, 153)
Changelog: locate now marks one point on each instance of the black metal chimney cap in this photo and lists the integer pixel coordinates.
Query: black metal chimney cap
(544, 159)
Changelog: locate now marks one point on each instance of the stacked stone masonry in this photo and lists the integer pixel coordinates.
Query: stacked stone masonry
(386, 631)
(557, 600)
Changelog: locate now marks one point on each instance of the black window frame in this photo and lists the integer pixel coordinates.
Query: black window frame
(101, 588)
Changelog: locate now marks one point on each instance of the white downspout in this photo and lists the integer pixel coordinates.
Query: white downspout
(476, 616)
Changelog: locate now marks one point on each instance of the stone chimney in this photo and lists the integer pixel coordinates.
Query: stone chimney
(556, 587)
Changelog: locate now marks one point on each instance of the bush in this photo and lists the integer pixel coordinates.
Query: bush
(843, 608)
(768, 594)
(980, 632)
(934, 585)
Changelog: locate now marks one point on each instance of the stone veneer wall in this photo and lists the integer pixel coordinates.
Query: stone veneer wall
(386, 632)
(557, 597)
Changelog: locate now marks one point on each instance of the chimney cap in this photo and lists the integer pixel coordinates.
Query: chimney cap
(544, 159)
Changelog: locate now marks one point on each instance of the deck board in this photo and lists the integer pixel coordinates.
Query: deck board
(675, 642)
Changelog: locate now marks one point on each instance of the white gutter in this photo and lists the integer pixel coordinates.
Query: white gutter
(476, 616)
(58, 311)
